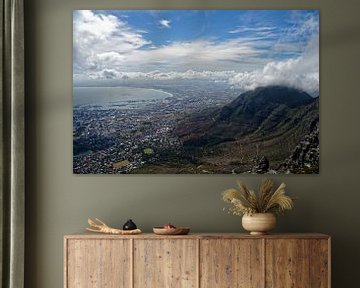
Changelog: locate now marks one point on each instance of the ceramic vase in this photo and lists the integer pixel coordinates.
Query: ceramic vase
(259, 223)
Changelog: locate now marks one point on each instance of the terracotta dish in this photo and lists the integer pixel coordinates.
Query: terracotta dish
(171, 231)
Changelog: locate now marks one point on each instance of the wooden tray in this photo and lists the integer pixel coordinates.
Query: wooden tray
(171, 231)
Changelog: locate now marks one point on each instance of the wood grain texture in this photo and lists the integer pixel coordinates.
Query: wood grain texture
(66, 262)
(88, 235)
(319, 263)
(231, 263)
(287, 263)
(98, 264)
(166, 263)
(197, 260)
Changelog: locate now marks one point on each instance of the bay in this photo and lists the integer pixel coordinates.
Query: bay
(116, 97)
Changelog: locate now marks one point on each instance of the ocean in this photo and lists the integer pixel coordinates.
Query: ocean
(116, 97)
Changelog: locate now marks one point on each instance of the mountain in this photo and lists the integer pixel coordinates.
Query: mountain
(305, 156)
(268, 121)
(263, 111)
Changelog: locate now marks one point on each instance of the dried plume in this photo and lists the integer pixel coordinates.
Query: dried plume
(245, 201)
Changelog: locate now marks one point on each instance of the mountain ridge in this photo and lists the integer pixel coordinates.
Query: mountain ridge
(268, 121)
(259, 110)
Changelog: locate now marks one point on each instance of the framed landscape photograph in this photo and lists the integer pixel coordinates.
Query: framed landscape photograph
(196, 91)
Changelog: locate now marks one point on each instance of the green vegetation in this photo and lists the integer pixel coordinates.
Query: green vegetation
(121, 164)
(148, 151)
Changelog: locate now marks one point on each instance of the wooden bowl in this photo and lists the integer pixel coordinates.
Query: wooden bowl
(171, 231)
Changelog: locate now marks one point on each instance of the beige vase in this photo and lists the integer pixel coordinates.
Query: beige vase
(259, 223)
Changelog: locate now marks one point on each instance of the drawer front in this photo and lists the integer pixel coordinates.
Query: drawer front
(165, 263)
(98, 263)
(231, 263)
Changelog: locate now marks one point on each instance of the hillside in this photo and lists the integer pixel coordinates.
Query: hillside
(266, 123)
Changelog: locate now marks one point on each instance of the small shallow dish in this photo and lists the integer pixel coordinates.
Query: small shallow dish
(171, 231)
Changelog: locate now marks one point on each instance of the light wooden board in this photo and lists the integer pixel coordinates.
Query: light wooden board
(89, 235)
(319, 263)
(98, 264)
(166, 263)
(287, 263)
(231, 263)
(197, 260)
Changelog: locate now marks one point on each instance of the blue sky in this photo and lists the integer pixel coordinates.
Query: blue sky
(221, 25)
(237, 45)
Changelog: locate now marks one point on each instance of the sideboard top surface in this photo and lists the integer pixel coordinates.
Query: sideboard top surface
(86, 235)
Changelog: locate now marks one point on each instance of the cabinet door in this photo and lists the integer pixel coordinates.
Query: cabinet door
(287, 263)
(320, 263)
(98, 263)
(165, 263)
(231, 263)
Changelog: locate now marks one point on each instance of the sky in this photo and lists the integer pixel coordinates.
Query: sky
(245, 48)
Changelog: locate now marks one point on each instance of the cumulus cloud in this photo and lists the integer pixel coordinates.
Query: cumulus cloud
(301, 72)
(159, 75)
(165, 23)
(106, 47)
(104, 41)
(100, 38)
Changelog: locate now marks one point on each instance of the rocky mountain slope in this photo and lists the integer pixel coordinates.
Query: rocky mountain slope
(266, 123)
(305, 156)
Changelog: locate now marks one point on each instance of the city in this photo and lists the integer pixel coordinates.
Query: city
(123, 138)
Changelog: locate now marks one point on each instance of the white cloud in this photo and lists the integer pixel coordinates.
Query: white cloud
(260, 29)
(182, 56)
(99, 38)
(301, 72)
(165, 23)
(106, 47)
(103, 41)
(107, 42)
(188, 55)
(159, 75)
(293, 37)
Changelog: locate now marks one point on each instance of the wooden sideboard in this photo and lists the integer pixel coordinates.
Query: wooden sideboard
(197, 260)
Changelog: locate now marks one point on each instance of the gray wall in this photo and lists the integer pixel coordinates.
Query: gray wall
(59, 202)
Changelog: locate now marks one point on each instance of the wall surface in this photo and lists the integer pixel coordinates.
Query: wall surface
(59, 202)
